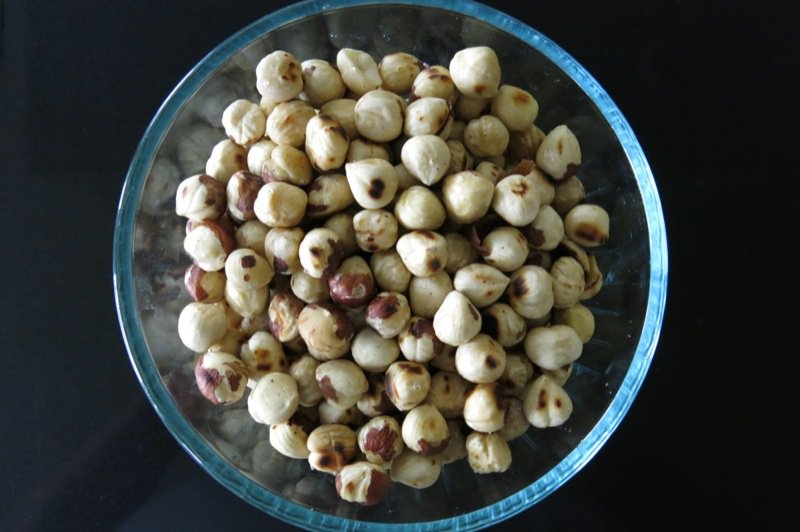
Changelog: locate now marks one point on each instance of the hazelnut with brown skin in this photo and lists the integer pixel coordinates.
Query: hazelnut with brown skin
(546, 230)
(380, 440)
(221, 377)
(326, 330)
(200, 197)
(203, 286)
(425, 430)
(352, 285)
(407, 384)
(284, 310)
(331, 447)
(363, 482)
(247, 269)
(418, 341)
(388, 314)
(320, 252)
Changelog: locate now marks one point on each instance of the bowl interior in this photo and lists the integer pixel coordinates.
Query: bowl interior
(150, 284)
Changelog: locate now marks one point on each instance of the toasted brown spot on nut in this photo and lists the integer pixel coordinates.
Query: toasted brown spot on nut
(381, 442)
(520, 188)
(490, 325)
(248, 261)
(534, 236)
(518, 287)
(327, 389)
(558, 403)
(376, 187)
(280, 265)
(480, 88)
(434, 264)
(542, 400)
(412, 368)
(572, 169)
(193, 284)
(207, 380)
(317, 252)
(491, 362)
(520, 97)
(590, 233)
(383, 307)
(266, 366)
(339, 130)
(426, 449)
(247, 277)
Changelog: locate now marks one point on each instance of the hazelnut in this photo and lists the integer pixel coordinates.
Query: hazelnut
(428, 116)
(279, 77)
(379, 115)
(481, 360)
(490, 171)
(559, 153)
(543, 259)
(567, 193)
(467, 196)
(456, 446)
(286, 124)
(561, 375)
(203, 286)
(546, 404)
(375, 230)
(200, 325)
(407, 384)
(244, 122)
(568, 282)
(460, 252)
(481, 283)
(506, 248)
(304, 372)
(358, 70)
(457, 321)
(208, 244)
(488, 453)
(587, 225)
(280, 204)
(486, 136)
(289, 438)
(226, 159)
(524, 143)
(200, 197)
(274, 399)
(425, 431)
(476, 71)
(326, 330)
(502, 323)
(373, 353)
(320, 252)
(361, 149)
(287, 164)
(258, 154)
(342, 382)
(423, 252)
(242, 191)
(485, 408)
(460, 158)
(426, 294)
(405, 179)
(327, 142)
(434, 81)
(448, 393)
(515, 200)
(516, 423)
(568, 248)
(321, 82)
(398, 71)
(221, 377)
(251, 234)
(331, 447)
(418, 342)
(419, 208)
(342, 225)
(415, 470)
(516, 375)
(426, 157)
(352, 284)
(516, 108)
(468, 107)
(530, 292)
(380, 440)
(363, 483)
(372, 181)
(246, 301)
(263, 354)
(389, 271)
(309, 289)
(342, 110)
(542, 185)
(247, 269)
(282, 249)
(457, 132)
(579, 318)
(552, 347)
(446, 360)
(375, 402)
(546, 231)
(388, 313)
(594, 280)
(330, 413)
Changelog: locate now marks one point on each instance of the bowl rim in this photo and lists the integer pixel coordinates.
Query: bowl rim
(195, 444)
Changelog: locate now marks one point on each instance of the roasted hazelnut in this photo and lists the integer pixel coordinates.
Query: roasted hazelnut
(434, 81)
(208, 244)
(389, 271)
(448, 393)
(246, 301)
(372, 181)
(203, 286)
(375, 402)
(446, 360)
(289, 438)
(342, 225)
(460, 158)
(342, 382)
(352, 284)
(242, 191)
(468, 107)
(330, 413)
(546, 231)
(279, 76)
(247, 269)
(481, 360)
(326, 330)
(388, 313)
(380, 440)
(543, 186)
(320, 252)
(425, 430)
(467, 196)
(419, 208)
(358, 70)
(415, 470)
(485, 408)
(594, 280)
(460, 252)
(481, 283)
(568, 282)
(490, 171)
(515, 200)
(530, 292)
(263, 354)
(427, 116)
(379, 115)
(398, 71)
(244, 122)
(372, 352)
(426, 294)
(517, 108)
(423, 252)
(251, 234)
(274, 399)
(543, 259)
(405, 179)
(567, 194)
(418, 342)
(505, 248)
(587, 225)
(579, 318)
(546, 404)
(221, 377)
(552, 347)
(561, 375)
(559, 154)
(427, 157)
(226, 159)
(375, 230)
(502, 323)
(200, 325)
(327, 142)
(516, 423)
(282, 249)
(524, 143)
(286, 124)
(407, 384)
(200, 197)
(288, 164)
(361, 149)
(309, 289)
(457, 321)
(280, 204)
(568, 248)
(476, 71)
(363, 482)
(258, 154)
(331, 447)
(516, 375)
(488, 453)
(321, 82)
(304, 372)
(342, 110)
(486, 136)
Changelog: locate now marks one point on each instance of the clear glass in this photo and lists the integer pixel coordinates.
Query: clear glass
(149, 263)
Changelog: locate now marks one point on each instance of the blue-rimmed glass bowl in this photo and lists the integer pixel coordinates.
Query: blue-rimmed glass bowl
(149, 262)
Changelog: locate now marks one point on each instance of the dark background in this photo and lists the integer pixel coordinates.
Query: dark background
(710, 90)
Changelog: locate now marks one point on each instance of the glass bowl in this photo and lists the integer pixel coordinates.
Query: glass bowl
(149, 263)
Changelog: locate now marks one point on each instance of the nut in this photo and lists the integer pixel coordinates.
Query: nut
(448, 393)
(363, 483)
(476, 72)
(486, 136)
(423, 252)
(457, 321)
(389, 271)
(379, 115)
(398, 72)
(468, 107)
(490, 171)
(247, 269)
(331, 447)
(587, 225)
(361, 149)
(280, 204)
(258, 154)
(594, 280)
(485, 408)
(242, 191)
(467, 196)
(287, 163)
(304, 372)
(546, 404)
(226, 159)
(404, 178)
(530, 292)
(289, 438)
(460, 252)
(388, 314)
(460, 158)
(415, 470)
(352, 284)
(488, 453)
(481, 360)
(309, 289)
(561, 375)
(507, 248)
(320, 252)
(274, 399)
(425, 430)
(542, 185)
(321, 82)
(546, 231)
(200, 325)
(375, 402)
(516, 423)
(418, 342)
(231, 342)
(342, 382)
(326, 330)
(221, 377)
(504, 324)
(200, 197)
(419, 208)
(568, 193)
(245, 301)
(330, 413)
(552, 347)
(286, 124)
(263, 354)
(579, 318)
(543, 259)
(373, 353)
(515, 200)
(282, 249)
(568, 248)
(481, 283)
(279, 76)
(516, 375)
(524, 143)
(372, 181)
(428, 116)
(327, 142)
(251, 234)
(446, 360)
(426, 157)
(559, 154)
(456, 446)
(203, 286)
(342, 110)
(434, 81)
(359, 71)
(208, 244)
(407, 384)
(244, 122)
(380, 440)
(342, 225)
(517, 108)
(375, 230)
(426, 294)
(568, 282)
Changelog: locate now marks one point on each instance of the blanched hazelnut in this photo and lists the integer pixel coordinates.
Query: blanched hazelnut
(543, 259)
(242, 191)
(460, 252)
(342, 225)
(448, 393)
(485, 408)
(342, 382)
(426, 294)
(363, 482)
(327, 142)
(246, 301)
(524, 143)
(543, 186)
(372, 352)
(594, 280)
(415, 470)
(515, 200)
(280, 204)
(283, 311)
(460, 158)
(342, 110)
(304, 372)
(423, 252)
(279, 76)
(287, 163)
(203, 286)
(331, 447)
(418, 342)
(504, 324)
(244, 122)
(530, 292)
(251, 234)
(352, 284)
(546, 404)
(309, 289)
(552, 347)
(507, 248)
(398, 71)
(568, 282)
(434, 81)
(481, 283)
(490, 171)
(488, 453)
(516, 375)
(380, 440)
(248, 269)
(286, 124)
(405, 179)
(457, 321)
(546, 231)
(289, 438)
(326, 330)
(258, 154)
(560, 375)
(457, 131)
(427, 116)
(425, 430)
(516, 423)
(388, 313)
(274, 399)
(419, 208)
(446, 360)
(481, 360)
(372, 181)
(263, 354)
(208, 244)
(200, 197)
(375, 402)
(221, 377)
(328, 194)
(321, 82)
(375, 230)
(427, 157)
(559, 154)
(476, 71)
(467, 196)
(486, 136)
(361, 149)
(379, 115)
(568, 193)
(359, 71)
(579, 318)
(226, 159)
(200, 325)
(282, 249)
(389, 271)
(407, 384)
(517, 108)
(587, 225)
(320, 252)
(456, 446)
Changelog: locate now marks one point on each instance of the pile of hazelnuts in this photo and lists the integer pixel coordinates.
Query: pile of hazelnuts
(391, 258)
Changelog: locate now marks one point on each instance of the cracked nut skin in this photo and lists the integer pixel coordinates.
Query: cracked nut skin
(326, 330)
(380, 440)
(331, 447)
(352, 284)
(221, 377)
(363, 483)
(425, 430)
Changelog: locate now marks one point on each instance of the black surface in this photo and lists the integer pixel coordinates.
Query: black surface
(708, 88)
